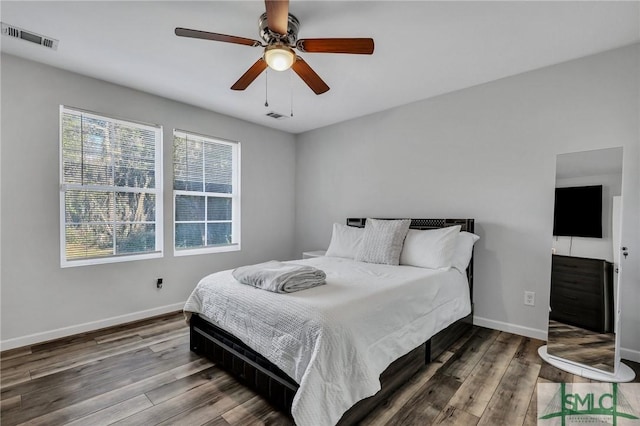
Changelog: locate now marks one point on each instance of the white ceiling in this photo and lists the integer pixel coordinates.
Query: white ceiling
(422, 49)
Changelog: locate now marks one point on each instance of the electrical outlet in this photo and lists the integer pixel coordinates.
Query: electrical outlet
(529, 298)
(159, 283)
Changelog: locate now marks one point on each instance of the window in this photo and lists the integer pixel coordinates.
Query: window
(111, 189)
(206, 194)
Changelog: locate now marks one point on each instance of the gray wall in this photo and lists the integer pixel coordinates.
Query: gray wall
(489, 153)
(39, 299)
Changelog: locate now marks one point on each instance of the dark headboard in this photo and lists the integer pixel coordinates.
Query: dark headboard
(465, 225)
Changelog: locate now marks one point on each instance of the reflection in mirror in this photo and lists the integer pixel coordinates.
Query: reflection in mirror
(586, 229)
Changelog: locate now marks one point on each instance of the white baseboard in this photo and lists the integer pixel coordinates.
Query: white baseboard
(44, 336)
(630, 354)
(511, 328)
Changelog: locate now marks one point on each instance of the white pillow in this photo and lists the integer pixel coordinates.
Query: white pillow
(345, 241)
(382, 241)
(431, 248)
(464, 250)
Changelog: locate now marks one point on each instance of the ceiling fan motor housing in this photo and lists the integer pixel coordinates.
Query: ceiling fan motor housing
(271, 37)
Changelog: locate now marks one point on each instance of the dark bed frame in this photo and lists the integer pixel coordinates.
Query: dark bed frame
(259, 374)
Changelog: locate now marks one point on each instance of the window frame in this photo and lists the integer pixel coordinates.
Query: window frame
(234, 196)
(158, 191)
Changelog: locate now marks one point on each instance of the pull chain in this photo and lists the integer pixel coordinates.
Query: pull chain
(291, 87)
(266, 87)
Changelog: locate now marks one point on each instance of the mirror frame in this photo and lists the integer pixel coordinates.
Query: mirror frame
(587, 164)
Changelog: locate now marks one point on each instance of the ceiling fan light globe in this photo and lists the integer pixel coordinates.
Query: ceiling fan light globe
(279, 58)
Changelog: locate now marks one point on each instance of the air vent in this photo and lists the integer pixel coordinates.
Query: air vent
(15, 32)
(276, 115)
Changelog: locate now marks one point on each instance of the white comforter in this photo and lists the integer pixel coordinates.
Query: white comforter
(335, 340)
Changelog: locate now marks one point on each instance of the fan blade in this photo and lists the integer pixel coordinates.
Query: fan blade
(309, 76)
(185, 32)
(251, 74)
(277, 15)
(360, 46)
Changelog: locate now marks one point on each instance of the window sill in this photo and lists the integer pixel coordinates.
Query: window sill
(206, 250)
(64, 263)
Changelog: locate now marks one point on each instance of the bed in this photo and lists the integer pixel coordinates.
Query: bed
(328, 355)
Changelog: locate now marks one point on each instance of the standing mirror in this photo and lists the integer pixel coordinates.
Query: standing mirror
(583, 308)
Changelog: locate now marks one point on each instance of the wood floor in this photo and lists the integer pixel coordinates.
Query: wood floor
(581, 345)
(144, 374)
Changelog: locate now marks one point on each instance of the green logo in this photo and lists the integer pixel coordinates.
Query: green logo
(591, 403)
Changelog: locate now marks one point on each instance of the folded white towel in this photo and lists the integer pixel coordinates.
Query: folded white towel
(280, 277)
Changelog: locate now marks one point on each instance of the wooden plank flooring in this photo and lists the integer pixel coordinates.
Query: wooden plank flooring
(581, 345)
(144, 374)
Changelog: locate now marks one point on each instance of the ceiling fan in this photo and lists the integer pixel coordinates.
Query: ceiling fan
(279, 30)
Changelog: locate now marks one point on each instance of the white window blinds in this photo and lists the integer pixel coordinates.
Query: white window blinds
(111, 189)
(206, 183)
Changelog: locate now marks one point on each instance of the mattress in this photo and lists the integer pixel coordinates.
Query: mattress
(336, 339)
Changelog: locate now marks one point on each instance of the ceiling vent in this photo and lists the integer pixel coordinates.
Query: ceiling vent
(15, 32)
(276, 115)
